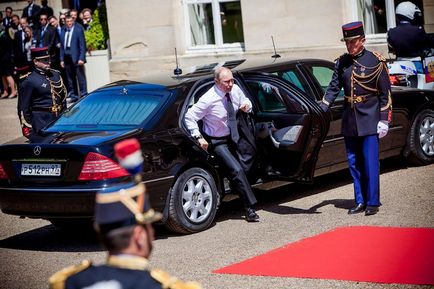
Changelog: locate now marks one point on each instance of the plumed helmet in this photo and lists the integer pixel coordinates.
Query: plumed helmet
(128, 203)
(408, 10)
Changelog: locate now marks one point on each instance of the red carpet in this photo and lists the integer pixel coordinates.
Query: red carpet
(367, 254)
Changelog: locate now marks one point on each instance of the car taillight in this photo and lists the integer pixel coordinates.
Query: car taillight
(393, 80)
(99, 167)
(3, 175)
(398, 80)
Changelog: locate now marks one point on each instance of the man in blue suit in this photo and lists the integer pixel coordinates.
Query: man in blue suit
(73, 57)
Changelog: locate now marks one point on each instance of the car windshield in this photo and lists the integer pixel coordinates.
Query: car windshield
(116, 108)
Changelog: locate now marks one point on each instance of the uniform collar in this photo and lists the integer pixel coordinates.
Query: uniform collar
(128, 262)
(359, 54)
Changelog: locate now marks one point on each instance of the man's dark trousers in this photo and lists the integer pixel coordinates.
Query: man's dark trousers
(75, 75)
(236, 173)
(362, 155)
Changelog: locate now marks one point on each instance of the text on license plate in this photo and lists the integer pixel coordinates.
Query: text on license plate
(40, 169)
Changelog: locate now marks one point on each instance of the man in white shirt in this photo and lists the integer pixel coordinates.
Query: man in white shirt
(217, 109)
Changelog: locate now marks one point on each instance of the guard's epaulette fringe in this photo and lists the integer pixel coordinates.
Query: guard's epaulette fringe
(25, 75)
(379, 56)
(57, 280)
(169, 282)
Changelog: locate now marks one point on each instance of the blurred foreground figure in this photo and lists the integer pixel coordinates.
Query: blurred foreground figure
(123, 221)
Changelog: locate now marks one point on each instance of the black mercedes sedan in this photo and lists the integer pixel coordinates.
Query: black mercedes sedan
(56, 175)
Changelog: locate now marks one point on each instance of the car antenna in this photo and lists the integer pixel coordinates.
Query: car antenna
(275, 55)
(177, 71)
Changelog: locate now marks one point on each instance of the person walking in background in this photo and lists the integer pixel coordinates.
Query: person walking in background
(87, 18)
(217, 109)
(46, 36)
(45, 9)
(73, 58)
(31, 12)
(7, 19)
(21, 50)
(6, 64)
(123, 221)
(367, 113)
(29, 44)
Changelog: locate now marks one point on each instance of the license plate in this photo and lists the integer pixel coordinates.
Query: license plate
(40, 170)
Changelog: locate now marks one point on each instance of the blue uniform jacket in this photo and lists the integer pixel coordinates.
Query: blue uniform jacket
(36, 95)
(366, 84)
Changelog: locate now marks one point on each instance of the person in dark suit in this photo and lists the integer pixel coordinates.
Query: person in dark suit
(123, 220)
(19, 45)
(46, 36)
(408, 39)
(7, 20)
(366, 116)
(45, 9)
(73, 57)
(217, 109)
(41, 95)
(31, 12)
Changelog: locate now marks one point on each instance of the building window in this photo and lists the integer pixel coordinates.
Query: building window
(214, 24)
(378, 16)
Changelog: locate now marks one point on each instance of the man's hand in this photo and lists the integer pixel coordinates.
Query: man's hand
(203, 143)
(62, 64)
(382, 128)
(245, 107)
(80, 62)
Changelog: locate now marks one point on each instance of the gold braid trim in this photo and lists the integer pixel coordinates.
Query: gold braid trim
(58, 93)
(388, 104)
(168, 281)
(57, 280)
(23, 120)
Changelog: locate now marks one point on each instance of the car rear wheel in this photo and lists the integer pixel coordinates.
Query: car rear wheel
(421, 139)
(193, 202)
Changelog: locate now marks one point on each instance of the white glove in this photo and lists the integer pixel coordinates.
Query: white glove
(382, 128)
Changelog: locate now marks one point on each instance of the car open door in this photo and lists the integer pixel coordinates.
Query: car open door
(290, 126)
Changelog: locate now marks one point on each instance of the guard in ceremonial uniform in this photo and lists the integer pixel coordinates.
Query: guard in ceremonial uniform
(123, 220)
(366, 115)
(42, 94)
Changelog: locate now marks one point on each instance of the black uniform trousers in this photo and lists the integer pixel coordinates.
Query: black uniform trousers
(225, 150)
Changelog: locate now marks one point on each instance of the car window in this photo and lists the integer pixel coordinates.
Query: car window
(323, 75)
(271, 98)
(114, 110)
(292, 77)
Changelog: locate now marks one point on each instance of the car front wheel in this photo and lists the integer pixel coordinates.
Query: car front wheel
(193, 202)
(421, 138)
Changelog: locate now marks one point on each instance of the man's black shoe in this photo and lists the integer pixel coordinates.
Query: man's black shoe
(251, 215)
(357, 209)
(371, 210)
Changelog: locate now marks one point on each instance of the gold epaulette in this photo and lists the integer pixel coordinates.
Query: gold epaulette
(55, 70)
(379, 56)
(57, 280)
(25, 75)
(11, 32)
(169, 282)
